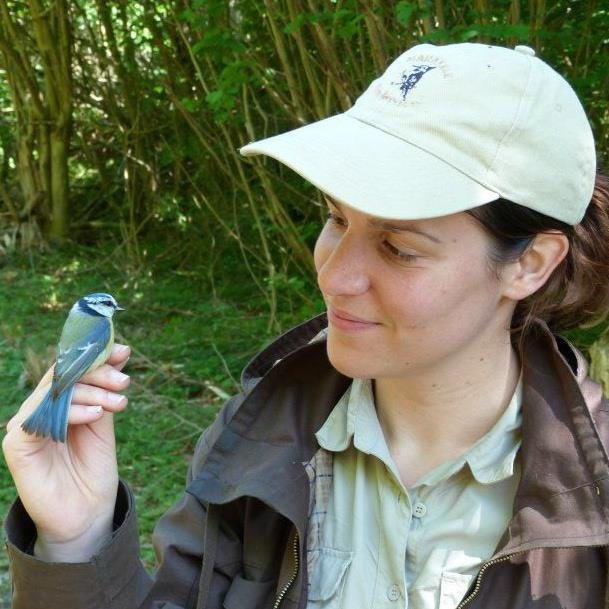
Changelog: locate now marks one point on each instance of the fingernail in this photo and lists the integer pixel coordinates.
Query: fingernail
(116, 398)
(119, 377)
(94, 409)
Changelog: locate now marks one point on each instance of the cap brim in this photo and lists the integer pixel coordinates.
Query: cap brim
(373, 171)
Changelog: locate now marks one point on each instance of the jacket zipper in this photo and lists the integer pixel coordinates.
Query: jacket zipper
(486, 565)
(292, 577)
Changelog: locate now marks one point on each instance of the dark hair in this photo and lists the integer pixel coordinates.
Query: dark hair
(577, 292)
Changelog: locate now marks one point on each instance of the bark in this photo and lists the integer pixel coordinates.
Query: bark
(59, 183)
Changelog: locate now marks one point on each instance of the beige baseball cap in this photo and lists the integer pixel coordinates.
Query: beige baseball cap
(448, 128)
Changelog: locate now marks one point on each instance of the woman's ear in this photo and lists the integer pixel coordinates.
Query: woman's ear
(525, 276)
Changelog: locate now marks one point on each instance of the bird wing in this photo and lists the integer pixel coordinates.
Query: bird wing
(83, 339)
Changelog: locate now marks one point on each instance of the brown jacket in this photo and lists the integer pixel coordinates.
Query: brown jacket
(237, 537)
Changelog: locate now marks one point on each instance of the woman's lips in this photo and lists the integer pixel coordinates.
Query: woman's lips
(346, 321)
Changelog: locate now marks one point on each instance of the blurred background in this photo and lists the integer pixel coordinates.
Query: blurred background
(120, 122)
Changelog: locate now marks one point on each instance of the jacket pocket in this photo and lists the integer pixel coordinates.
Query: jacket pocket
(327, 569)
(247, 594)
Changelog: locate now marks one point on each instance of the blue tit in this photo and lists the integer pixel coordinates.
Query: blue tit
(85, 344)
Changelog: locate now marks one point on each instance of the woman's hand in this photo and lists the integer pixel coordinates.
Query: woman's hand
(69, 490)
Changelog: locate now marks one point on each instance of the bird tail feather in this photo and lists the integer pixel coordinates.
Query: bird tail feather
(50, 417)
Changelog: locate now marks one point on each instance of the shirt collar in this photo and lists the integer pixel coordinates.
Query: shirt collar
(492, 457)
(354, 418)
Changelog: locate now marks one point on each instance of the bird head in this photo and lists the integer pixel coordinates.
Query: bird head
(99, 303)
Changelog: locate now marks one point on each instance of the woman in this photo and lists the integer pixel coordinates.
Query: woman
(436, 446)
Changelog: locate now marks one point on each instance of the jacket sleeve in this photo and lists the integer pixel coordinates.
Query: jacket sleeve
(115, 578)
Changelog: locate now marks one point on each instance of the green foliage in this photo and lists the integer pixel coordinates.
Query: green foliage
(404, 10)
(225, 98)
(469, 33)
(165, 92)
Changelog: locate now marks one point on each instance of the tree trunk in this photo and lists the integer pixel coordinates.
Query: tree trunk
(59, 184)
(28, 176)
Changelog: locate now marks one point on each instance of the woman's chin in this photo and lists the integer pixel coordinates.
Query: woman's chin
(350, 362)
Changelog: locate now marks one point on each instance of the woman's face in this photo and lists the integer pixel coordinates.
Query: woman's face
(400, 302)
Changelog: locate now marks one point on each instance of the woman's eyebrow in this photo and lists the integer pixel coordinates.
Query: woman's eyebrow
(396, 226)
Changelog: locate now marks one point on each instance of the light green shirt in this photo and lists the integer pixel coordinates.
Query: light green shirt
(374, 544)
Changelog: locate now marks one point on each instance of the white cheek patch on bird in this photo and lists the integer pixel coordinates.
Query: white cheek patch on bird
(85, 344)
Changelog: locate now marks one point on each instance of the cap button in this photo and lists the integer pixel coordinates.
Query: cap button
(525, 50)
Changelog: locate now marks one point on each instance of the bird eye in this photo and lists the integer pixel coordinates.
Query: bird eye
(108, 303)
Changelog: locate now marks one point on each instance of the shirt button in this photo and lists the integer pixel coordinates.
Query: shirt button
(420, 510)
(393, 592)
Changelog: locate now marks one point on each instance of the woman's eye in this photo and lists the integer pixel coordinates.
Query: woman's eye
(394, 251)
(335, 219)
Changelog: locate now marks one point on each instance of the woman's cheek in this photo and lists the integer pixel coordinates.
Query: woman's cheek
(422, 297)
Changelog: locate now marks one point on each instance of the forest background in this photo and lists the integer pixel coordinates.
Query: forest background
(120, 123)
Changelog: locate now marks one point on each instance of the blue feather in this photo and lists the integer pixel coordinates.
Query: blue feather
(51, 416)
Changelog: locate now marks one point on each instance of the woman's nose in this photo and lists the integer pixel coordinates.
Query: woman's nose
(343, 267)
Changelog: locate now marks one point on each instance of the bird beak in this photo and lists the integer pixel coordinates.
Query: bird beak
(117, 308)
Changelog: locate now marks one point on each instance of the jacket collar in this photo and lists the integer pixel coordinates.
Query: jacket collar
(563, 495)
(295, 338)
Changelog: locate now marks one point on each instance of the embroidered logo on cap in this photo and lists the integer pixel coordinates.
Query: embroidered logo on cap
(411, 77)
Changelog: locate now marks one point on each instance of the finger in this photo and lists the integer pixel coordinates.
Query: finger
(121, 365)
(99, 388)
(82, 413)
(107, 377)
(119, 355)
(88, 395)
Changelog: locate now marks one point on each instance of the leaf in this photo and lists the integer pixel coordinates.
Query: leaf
(346, 22)
(295, 25)
(190, 104)
(468, 35)
(215, 98)
(404, 11)
(439, 35)
(599, 363)
(506, 30)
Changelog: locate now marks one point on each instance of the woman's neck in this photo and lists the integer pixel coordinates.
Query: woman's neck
(436, 415)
